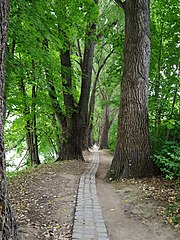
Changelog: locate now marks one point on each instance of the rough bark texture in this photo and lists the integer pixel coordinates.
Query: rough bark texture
(71, 148)
(67, 121)
(8, 228)
(87, 66)
(132, 154)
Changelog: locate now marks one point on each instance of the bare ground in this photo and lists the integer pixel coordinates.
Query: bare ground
(44, 202)
(129, 214)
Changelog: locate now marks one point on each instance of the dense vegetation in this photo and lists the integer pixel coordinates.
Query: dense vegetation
(68, 63)
(28, 101)
(37, 38)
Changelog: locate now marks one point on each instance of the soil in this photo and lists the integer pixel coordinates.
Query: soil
(43, 200)
(128, 213)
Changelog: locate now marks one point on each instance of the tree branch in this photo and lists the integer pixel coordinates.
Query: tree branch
(114, 117)
(120, 4)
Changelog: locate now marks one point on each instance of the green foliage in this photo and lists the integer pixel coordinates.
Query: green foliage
(163, 88)
(31, 25)
(168, 160)
(61, 22)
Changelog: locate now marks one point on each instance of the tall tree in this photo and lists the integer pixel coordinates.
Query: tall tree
(132, 154)
(8, 229)
(75, 119)
(87, 66)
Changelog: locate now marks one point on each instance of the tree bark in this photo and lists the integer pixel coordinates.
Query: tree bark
(67, 120)
(75, 131)
(132, 154)
(34, 128)
(71, 147)
(8, 228)
(87, 66)
(31, 135)
(92, 102)
(107, 123)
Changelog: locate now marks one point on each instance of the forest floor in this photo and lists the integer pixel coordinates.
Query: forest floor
(44, 203)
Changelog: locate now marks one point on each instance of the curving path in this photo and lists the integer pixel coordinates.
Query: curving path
(88, 222)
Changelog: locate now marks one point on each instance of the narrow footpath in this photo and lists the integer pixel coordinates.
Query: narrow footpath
(89, 222)
(70, 200)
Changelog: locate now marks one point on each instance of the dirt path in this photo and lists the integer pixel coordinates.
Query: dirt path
(44, 201)
(128, 214)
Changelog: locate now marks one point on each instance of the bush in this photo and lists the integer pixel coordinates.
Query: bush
(168, 160)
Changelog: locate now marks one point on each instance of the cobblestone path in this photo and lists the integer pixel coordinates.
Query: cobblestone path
(89, 222)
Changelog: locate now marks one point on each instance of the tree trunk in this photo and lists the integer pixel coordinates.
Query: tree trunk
(34, 128)
(157, 86)
(104, 139)
(132, 154)
(171, 113)
(31, 136)
(92, 102)
(71, 148)
(8, 228)
(67, 121)
(87, 66)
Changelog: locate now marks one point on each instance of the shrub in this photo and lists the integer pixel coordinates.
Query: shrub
(168, 160)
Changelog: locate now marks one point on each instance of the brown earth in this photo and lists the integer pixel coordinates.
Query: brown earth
(128, 212)
(44, 202)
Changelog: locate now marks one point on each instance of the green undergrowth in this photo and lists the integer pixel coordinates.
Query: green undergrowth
(168, 160)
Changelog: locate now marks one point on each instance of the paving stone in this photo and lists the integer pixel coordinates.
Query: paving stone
(89, 223)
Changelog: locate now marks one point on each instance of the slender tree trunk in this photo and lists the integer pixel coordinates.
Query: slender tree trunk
(132, 154)
(107, 123)
(8, 228)
(34, 128)
(171, 113)
(92, 102)
(157, 86)
(31, 136)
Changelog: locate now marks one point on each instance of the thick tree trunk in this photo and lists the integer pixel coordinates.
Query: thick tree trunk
(8, 228)
(71, 146)
(67, 121)
(86, 85)
(87, 66)
(132, 154)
